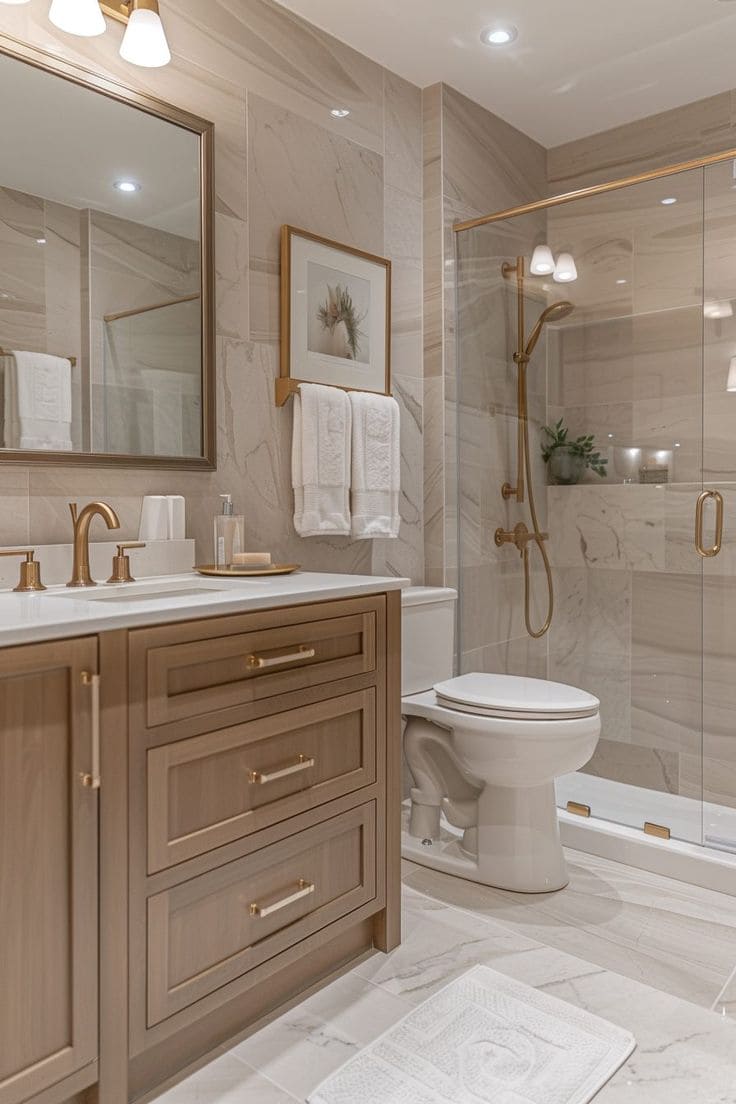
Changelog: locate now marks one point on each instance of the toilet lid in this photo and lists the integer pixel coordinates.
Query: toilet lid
(515, 697)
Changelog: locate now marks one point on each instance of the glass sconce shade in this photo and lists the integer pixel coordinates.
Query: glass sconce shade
(78, 17)
(731, 381)
(565, 269)
(144, 42)
(543, 263)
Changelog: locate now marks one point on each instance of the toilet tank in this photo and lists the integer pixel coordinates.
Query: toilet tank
(428, 637)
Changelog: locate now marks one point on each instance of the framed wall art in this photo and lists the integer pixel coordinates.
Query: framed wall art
(335, 315)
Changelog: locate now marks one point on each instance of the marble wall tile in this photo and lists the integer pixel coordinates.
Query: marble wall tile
(522, 656)
(283, 58)
(309, 177)
(649, 768)
(694, 130)
(613, 527)
(14, 506)
(403, 135)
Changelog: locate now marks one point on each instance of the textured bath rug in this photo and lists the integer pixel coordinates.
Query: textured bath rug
(484, 1038)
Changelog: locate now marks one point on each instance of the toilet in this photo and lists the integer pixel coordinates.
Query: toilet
(483, 752)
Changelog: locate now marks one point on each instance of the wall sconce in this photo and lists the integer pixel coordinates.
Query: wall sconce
(144, 42)
(562, 271)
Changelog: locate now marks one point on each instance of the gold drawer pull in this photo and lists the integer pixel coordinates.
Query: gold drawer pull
(256, 662)
(302, 764)
(304, 890)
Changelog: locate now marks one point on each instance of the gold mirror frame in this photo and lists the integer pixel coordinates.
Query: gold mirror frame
(77, 74)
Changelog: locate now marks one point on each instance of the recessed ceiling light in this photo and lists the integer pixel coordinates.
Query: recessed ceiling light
(622, 281)
(126, 186)
(610, 435)
(40, 241)
(677, 444)
(498, 35)
(340, 112)
(668, 201)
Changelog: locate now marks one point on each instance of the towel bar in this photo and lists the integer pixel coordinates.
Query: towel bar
(286, 387)
(72, 360)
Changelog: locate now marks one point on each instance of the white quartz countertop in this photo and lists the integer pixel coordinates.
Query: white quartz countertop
(61, 612)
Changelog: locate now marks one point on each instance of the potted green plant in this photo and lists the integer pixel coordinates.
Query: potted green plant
(567, 460)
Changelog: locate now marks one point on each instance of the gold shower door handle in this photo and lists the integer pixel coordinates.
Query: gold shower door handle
(708, 553)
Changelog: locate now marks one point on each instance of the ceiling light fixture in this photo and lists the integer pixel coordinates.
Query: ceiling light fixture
(622, 281)
(542, 263)
(565, 269)
(144, 42)
(668, 201)
(40, 241)
(340, 112)
(501, 34)
(126, 186)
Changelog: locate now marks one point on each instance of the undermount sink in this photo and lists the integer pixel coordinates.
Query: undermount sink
(137, 592)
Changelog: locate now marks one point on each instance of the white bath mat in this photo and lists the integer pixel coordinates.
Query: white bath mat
(484, 1038)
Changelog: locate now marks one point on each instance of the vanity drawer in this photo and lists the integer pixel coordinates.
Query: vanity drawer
(210, 674)
(206, 933)
(207, 791)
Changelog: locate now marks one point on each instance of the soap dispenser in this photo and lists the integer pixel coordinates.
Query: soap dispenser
(229, 533)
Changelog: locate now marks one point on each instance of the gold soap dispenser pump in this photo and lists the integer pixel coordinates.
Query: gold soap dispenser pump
(229, 533)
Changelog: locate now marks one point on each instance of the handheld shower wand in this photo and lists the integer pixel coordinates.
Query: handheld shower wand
(520, 536)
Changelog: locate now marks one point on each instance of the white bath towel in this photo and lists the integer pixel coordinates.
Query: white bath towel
(376, 466)
(320, 461)
(38, 401)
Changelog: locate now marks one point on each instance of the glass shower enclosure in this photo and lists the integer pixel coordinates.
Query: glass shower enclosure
(642, 551)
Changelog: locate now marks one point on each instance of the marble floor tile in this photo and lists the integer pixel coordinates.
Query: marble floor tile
(671, 936)
(226, 1081)
(725, 1002)
(309, 1042)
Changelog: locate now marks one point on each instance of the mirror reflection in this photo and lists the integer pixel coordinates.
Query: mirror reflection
(100, 273)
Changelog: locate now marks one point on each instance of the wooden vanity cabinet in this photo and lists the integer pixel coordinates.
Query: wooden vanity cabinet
(48, 872)
(243, 847)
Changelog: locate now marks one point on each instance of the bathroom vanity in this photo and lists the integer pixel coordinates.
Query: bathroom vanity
(200, 795)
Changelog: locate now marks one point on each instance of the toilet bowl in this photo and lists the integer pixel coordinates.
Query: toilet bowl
(483, 751)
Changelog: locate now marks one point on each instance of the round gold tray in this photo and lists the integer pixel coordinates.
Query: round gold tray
(246, 572)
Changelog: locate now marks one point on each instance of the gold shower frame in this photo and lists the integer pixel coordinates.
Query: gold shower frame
(596, 189)
(86, 78)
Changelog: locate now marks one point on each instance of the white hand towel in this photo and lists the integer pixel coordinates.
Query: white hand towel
(320, 461)
(376, 466)
(38, 401)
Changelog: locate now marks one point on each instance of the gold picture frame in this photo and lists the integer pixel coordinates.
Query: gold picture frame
(328, 367)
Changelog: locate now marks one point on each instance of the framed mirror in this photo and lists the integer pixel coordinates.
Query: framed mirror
(106, 272)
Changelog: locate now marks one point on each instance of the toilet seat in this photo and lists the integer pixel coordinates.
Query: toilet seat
(515, 698)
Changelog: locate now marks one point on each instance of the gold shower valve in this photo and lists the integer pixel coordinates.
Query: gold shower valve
(519, 535)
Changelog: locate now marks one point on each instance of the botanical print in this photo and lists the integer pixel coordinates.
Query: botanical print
(339, 309)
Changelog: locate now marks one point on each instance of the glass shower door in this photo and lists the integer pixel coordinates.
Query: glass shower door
(718, 764)
(626, 366)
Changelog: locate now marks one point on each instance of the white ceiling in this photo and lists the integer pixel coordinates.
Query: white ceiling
(68, 144)
(577, 66)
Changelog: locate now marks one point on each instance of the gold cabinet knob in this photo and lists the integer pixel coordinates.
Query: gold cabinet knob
(30, 570)
(121, 563)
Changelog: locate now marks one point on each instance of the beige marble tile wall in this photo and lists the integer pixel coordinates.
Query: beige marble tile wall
(474, 163)
(638, 622)
(268, 81)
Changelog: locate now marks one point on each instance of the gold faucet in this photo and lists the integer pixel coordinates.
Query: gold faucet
(80, 569)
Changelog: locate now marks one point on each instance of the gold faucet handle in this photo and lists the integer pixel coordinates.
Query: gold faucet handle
(73, 512)
(121, 563)
(30, 570)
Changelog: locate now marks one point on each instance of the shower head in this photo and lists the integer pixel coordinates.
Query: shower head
(555, 312)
